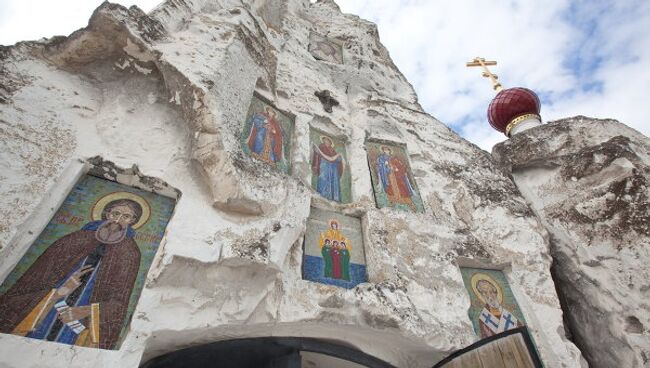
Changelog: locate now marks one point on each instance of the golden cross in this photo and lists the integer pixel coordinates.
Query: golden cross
(479, 61)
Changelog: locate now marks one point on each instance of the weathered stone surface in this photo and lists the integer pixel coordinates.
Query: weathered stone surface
(169, 91)
(587, 179)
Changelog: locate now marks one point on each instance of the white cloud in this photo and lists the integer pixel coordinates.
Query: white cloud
(557, 48)
(584, 57)
(34, 19)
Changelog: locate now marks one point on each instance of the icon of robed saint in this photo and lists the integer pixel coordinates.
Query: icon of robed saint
(328, 165)
(77, 291)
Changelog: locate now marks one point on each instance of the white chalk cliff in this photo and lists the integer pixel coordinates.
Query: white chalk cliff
(587, 180)
(169, 91)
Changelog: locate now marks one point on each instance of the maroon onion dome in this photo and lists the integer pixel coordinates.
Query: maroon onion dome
(512, 106)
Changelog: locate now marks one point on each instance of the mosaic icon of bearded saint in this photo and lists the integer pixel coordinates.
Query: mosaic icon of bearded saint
(335, 249)
(328, 165)
(77, 291)
(265, 138)
(494, 318)
(394, 178)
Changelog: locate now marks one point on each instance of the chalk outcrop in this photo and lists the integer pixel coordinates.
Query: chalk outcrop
(587, 180)
(169, 91)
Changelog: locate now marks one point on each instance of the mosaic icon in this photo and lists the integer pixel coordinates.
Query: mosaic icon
(79, 282)
(392, 179)
(329, 167)
(333, 249)
(267, 133)
(325, 49)
(493, 306)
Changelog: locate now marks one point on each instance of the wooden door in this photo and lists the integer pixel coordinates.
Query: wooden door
(511, 349)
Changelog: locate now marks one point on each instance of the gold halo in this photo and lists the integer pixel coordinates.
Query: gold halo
(481, 276)
(334, 221)
(98, 208)
(382, 148)
(323, 137)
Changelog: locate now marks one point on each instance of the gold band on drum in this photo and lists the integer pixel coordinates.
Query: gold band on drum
(518, 120)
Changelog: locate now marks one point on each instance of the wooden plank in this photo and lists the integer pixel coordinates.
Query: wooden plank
(522, 348)
(490, 355)
(503, 352)
(509, 352)
(471, 359)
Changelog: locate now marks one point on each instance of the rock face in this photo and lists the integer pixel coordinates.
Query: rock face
(587, 180)
(169, 92)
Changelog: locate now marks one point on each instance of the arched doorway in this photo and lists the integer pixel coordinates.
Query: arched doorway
(268, 352)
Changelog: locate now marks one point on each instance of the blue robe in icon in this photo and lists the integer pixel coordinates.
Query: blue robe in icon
(265, 138)
(327, 164)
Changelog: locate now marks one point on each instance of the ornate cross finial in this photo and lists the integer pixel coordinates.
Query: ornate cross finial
(479, 61)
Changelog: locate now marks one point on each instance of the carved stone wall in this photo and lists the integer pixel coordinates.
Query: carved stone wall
(170, 91)
(587, 179)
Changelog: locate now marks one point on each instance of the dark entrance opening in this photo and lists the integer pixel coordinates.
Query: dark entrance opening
(268, 352)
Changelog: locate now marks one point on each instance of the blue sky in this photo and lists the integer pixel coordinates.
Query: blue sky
(583, 57)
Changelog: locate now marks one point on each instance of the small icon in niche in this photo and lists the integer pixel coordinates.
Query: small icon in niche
(330, 172)
(325, 49)
(392, 179)
(493, 306)
(266, 134)
(334, 252)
